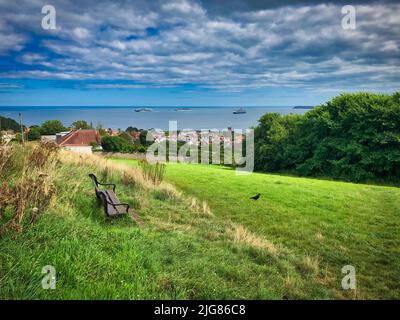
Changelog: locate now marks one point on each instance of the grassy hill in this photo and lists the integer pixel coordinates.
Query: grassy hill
(202, 239)
(328, 223)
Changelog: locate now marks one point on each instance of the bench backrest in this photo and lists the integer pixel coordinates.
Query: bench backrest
(95, 181)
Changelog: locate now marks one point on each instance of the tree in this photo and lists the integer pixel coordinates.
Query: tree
(116, 144)
(274, 138)
(34, 133)
(9, 124)
(81, 124)
(125, 136)
(143, 138)
(132, 129)
(52, 127)
(354, 137)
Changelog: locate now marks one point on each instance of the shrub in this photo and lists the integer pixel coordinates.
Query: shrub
(33, 134)
(116, 144)
(353, 137)
(44, 153)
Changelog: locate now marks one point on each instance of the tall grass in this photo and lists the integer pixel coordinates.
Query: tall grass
(5, 154)
(152, 172)
(29, 188)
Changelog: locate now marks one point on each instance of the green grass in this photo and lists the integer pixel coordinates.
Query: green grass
(292, 243)
(335, 222)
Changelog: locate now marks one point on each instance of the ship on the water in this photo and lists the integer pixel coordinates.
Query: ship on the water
(143, 110)
(239, 111)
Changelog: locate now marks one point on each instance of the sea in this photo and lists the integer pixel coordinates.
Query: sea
(122, 117)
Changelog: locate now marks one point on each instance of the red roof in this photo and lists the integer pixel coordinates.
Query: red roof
(79, 138)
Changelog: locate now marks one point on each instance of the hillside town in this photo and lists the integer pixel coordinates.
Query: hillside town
(82, 137)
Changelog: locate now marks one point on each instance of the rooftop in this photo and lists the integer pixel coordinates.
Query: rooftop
(79, 138)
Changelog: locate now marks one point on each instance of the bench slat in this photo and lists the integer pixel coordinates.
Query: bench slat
(111, 209)
(112, 205)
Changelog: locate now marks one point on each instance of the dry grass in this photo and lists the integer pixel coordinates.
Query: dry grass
(107, 167)
(128, 179)
(206, 209)
(43, 154)
(310, 264)
(32, 191)
(134, 176)
(326, 278)
(241, 235)
(5, 155)
(289, 282)
(152, 172)
(129, 175)
(319, 236)
(201, 208)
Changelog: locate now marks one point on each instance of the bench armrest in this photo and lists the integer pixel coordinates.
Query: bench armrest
(107, 184)
(119, 204)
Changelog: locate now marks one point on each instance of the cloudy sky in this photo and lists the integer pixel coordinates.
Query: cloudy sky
(193, 52)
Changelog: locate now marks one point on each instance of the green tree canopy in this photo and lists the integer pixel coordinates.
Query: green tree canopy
(34, 133)
(116, 144)
(9, 124)
(81, 124)
(132, 129)
(125, 136)
(353, 137)
(52, 127)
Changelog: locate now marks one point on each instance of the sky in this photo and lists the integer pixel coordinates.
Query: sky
(195, 53)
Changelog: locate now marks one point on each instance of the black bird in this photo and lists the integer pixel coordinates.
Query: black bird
(256, 196)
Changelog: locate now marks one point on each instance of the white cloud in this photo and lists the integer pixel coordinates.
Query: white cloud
(81, 33)
(177, 42)
(183, 7)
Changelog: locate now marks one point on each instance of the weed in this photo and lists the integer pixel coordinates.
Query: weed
(152, 172)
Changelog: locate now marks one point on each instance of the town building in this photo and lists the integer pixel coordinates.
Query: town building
(79, 140)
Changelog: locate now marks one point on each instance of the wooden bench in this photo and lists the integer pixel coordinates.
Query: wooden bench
(112, 206)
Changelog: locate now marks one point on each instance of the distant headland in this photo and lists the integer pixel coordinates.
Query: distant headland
(303, 107)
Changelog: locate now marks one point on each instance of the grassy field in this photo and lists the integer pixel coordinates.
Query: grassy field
(330, 223)
(202, 239)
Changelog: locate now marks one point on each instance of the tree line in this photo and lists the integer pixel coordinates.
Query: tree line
(354, 137)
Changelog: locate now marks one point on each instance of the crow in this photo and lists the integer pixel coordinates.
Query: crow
(256, 196)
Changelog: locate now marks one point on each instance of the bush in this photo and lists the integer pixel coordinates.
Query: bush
(125, 136)
(354, 137)
(33, 134)
(116, 144)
